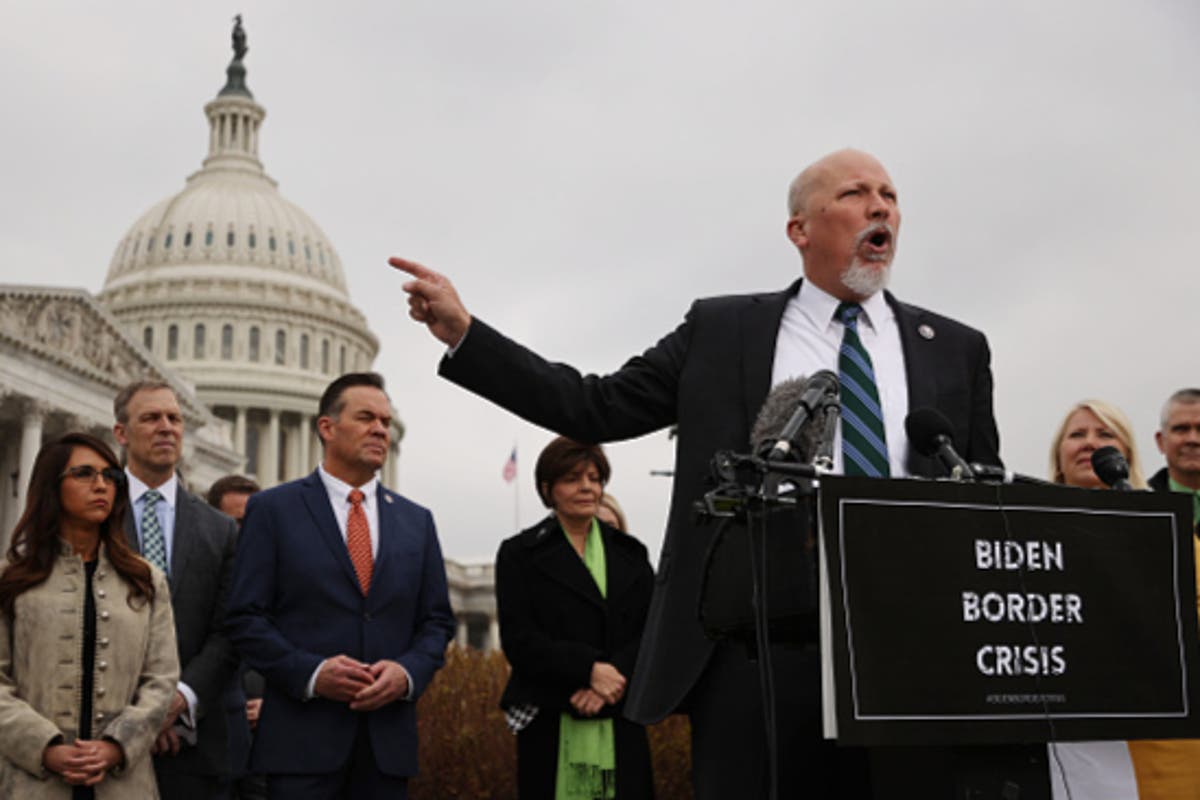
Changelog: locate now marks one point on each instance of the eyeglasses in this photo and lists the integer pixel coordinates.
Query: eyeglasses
(86, 473)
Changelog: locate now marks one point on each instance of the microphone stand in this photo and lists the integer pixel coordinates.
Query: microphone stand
(749, 486)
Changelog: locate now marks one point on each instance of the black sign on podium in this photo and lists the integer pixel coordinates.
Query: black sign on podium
(972, 613)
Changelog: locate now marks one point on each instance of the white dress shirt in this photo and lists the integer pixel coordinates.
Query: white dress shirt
(809, 340)
(166, 523)
(339, 500)
(165, 508)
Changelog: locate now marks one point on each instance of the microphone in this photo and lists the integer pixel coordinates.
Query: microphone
(1112, 468)
(994, 474)
(931, 433)
(780, 429)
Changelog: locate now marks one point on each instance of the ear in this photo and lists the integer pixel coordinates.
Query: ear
(544, 491)
(119, 434)
(1158, 440)
(797, 231)
(324, 426)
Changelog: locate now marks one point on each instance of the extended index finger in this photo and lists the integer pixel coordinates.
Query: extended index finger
(418, 271)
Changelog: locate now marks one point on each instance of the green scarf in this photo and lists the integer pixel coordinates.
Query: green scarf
(587, 753)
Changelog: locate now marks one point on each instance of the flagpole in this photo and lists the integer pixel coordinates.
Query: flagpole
(510, 476)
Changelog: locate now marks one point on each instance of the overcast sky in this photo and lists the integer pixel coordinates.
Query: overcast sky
(583, 170)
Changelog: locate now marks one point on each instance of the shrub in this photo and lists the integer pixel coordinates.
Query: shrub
(468, 753)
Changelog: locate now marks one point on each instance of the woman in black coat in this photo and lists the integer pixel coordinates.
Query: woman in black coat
(572, 595)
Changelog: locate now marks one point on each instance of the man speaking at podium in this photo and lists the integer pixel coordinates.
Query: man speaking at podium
(709, 377)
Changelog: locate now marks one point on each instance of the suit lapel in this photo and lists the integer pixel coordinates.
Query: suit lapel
(760, 332)
(316, 500)
(553, 555)
(183, 537)
(391, 540)
(919, 371)
(622, 571)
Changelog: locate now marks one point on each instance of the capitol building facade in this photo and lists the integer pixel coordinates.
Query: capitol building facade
(234, 296)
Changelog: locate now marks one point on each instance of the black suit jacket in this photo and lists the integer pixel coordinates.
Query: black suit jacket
(710, 376)
(200, 575)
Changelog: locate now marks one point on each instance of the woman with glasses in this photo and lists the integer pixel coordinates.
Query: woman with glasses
(88, 664)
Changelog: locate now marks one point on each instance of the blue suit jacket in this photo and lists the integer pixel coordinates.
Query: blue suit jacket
(296, 601)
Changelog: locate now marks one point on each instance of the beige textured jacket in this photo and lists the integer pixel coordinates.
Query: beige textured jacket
(41, 668)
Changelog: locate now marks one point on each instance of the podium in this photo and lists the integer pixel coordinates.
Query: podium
(961, 625)
(960, 613)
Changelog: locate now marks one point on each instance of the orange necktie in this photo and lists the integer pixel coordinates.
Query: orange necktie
(358, 541)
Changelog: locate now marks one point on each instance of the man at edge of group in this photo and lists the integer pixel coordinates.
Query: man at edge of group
(709, 377)
(193, 544)
(339, 600)
(243, 701)
(1170, 769)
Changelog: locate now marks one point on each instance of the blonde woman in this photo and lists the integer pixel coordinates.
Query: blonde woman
(1140, 770)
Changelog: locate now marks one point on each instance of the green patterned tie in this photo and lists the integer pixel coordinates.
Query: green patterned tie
(154, 547)
(864, 443)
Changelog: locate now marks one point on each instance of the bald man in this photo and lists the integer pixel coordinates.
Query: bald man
(710, 377)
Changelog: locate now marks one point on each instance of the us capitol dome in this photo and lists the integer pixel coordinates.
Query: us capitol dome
(238, 290)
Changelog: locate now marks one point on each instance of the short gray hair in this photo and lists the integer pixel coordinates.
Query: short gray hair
(1183, 397)
(121, 402)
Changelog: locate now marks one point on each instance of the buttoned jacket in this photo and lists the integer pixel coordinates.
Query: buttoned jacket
(41, 672)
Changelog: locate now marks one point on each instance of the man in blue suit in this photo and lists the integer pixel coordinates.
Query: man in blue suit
(339, 600)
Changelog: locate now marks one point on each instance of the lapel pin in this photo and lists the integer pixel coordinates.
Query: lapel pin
(387, 498)
(925, 331)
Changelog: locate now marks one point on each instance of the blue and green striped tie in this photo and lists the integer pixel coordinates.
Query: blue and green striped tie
(864, 443)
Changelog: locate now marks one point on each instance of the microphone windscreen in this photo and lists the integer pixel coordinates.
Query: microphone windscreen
(776, 411)
(1110, 465)
(924, 427)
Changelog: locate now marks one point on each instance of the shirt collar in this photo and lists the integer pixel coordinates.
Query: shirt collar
(818, 305)
(137, 488)
(339, 489)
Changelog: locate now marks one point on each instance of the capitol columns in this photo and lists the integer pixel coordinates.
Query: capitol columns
(305, 438)
(33, 417)
(268, 468)
(391, 468)
(239, 430)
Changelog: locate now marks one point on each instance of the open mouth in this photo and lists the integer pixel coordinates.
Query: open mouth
(875, 243)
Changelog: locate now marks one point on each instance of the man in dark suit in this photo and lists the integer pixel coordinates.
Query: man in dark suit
(194, 544)
(339, 600)
(229, 495)
(710, 377)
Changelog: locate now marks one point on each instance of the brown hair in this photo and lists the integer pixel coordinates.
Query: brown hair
(561, 456)
(35, 543)
(230, 484)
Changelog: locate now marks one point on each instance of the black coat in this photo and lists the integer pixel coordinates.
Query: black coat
(554, 625)
(710, 376)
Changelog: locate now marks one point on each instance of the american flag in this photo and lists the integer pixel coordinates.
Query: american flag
(510, 466)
